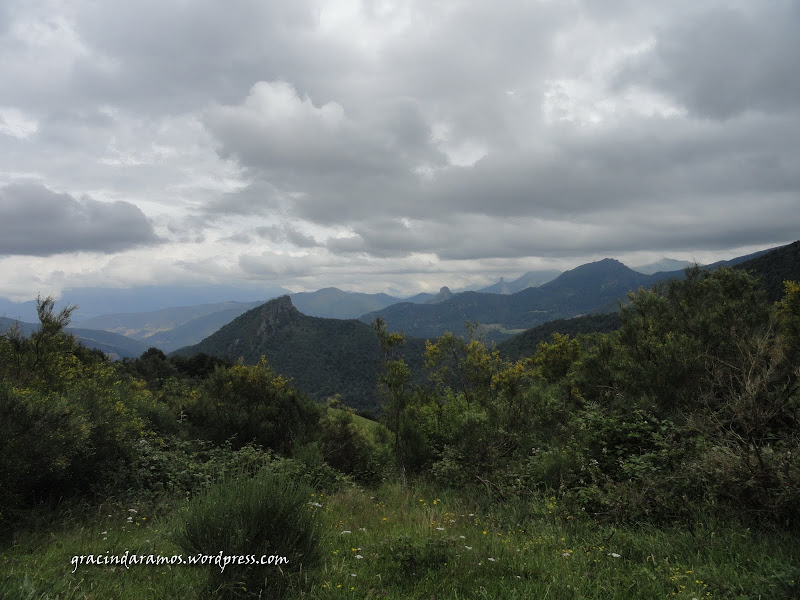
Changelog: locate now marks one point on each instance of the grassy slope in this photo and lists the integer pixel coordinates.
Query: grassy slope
(417, 543)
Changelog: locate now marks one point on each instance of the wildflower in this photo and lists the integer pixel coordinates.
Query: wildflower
(490, 559)
(468, 547)
(359, 557)
(614, 555)
(345, 531)
(440, 528)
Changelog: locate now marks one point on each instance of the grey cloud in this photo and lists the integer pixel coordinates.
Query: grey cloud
(257, 198)
(726, 60)
(698, 223)
(286, 233)
(282, 132)
(36, 221)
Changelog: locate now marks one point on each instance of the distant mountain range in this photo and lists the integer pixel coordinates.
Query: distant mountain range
(93, 302)
(328, 356)
(529, 279)
(594, 287)
(172, 328)
(502, 312)
(116, 346)
(665, 264)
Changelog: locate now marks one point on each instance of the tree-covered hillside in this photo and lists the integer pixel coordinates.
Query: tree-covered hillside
(324, 357)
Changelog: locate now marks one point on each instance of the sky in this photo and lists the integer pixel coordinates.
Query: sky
(389, 146)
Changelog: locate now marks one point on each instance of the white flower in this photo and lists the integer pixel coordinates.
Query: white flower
(132, 510)
(103, 532)
(468, 547)
(566, 554)
(613, 554)
(440, 529)
(317, 504)
(491, 559)
(462, 537)
(345, 531)
(359, 557)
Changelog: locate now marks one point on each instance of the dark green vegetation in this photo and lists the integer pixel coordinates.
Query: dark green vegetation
(775, 267)
(526, 343)
(324, 357)
(660, 459)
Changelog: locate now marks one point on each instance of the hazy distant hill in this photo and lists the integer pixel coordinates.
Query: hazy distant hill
(116, 345)
(589, 288)
(529, 279)
(443, 295)
(144, 325)
(665, 264)
(334, 303)
(323, 356)
(174, 327)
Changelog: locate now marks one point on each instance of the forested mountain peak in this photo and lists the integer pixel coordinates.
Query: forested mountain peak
(274, 314)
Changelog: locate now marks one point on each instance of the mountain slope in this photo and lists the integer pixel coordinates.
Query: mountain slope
(529, 279)
(145, 325)
(775, 267)
(593, 287)
(665, 264)
(334, 303)
(323, 356)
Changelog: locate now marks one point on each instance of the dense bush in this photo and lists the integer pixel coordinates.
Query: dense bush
(268, 514)
(253, 404)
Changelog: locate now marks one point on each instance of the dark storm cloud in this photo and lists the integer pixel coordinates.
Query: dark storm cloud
(726, 59)
(36, 221)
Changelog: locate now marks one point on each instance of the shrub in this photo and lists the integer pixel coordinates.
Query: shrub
(267, 514)
(253, 404)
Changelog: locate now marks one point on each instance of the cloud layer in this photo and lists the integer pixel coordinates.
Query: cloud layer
(36, 221)
(391, 144)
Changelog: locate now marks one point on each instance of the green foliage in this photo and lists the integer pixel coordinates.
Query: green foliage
(554, 359)
(70, 422)
(252, 404)
(350, 448)
(267, 514)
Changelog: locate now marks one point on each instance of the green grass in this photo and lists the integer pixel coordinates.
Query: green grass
(414, 542)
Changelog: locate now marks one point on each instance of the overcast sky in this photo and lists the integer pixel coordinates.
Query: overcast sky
(389, 146)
